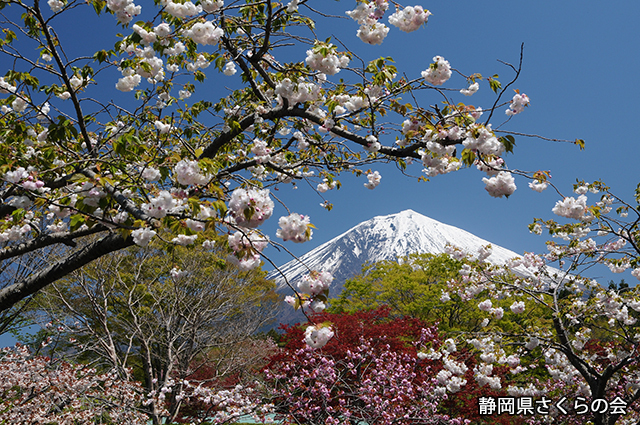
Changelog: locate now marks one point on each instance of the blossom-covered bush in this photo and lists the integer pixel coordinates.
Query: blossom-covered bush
(379, 369)
(362, 374)
(38, 390)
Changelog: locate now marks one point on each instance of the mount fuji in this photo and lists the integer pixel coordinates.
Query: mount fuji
(380, 238)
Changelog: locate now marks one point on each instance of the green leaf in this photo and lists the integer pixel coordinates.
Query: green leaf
(76, 221)
(468, 157)
(120, 146)
(101, 56)
(495, 84)
(509, 142)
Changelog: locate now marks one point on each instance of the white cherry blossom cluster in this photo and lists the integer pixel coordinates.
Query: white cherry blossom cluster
(410, 126)
(181, 10)
(323, 58)
(482, 374)
(184, 240)
(410, 18)
(618, 266)
(247, 246)
(142, 236)
(292, 6)
(373, 180)
(55, 5)
(5, 87)
(518, 103)
(162, 30)
(373, 145)
(294, 227)
(250, 207)
(17, 175)
(530, 390)
(501, 185)
(19, 104)
(570, 207)
(538, 186)
(558, 365)
(125, 10)
(438, 148)
(487, 306)
(471, 90)
(482, 139)
(299, 92)
(371, 31)
(451, 376)
(189, 173)
(211, 5)
(437, 163)
(17, 232)
(313, 289)
(129, 81)
(326, 186)
(315, 282)
(438, 72)
(197, 223)
(229, 69)
(349, 103)
(148, 37)
(261, 151)
(159, 206)
(517, 307)
(205, 33)
(162, 127)
(484, 252)
(612, 306)
(317, 336)
(154, 72)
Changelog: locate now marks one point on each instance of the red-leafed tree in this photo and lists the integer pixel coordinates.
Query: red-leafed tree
(378, 369)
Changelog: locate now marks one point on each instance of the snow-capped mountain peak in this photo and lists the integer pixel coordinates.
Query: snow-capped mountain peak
(384, 238)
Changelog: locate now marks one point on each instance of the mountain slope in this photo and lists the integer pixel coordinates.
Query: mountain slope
(380, 238)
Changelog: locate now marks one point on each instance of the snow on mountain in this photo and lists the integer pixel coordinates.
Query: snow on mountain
(380, 238)
(385, 238)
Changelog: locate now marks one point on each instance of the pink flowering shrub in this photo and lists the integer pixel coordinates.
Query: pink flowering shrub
(368, 372)
(38, 390)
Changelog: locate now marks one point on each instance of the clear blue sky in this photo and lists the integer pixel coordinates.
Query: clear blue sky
(579, 70)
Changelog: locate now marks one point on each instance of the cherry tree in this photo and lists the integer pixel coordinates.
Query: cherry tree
(38, 389)
(82, 176)
(590, 346)
(41, 389)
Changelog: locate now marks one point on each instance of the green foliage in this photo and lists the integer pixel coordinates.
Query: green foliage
(494, 83)
(414, 286)
(509, 142)
(411, 287)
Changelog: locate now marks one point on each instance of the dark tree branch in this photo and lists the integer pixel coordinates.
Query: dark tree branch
(43, 241)
(10, 295)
